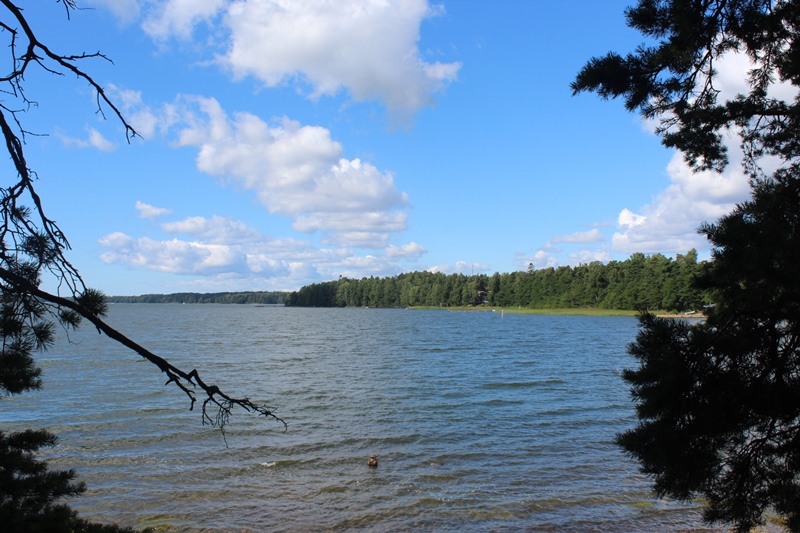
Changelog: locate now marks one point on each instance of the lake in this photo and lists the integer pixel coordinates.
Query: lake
(480, 421)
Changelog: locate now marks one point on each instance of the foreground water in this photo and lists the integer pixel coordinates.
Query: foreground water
(481, 422)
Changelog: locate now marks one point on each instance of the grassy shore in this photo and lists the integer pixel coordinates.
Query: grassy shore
(585, 311)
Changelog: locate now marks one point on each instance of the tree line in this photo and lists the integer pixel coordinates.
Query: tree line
(253, 297)
(639, 282)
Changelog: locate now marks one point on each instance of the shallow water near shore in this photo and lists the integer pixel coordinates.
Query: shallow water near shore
(480, 422)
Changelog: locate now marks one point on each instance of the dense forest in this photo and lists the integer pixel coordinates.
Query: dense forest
(640, 282)
(274, 297)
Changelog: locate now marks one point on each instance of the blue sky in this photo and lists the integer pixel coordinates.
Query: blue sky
(284, 143)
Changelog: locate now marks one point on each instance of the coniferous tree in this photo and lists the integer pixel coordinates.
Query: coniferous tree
(719, 402)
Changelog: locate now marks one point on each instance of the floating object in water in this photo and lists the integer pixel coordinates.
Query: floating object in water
(268, 465)
(373, 461)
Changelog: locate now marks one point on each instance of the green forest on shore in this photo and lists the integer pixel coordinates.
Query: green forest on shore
(653, 282)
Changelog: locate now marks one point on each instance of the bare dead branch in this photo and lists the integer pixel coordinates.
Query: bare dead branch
(32, 243)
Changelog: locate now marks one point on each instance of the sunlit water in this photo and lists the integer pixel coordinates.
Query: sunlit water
(481, 422)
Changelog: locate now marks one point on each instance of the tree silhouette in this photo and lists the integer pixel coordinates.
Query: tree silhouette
(719, 402)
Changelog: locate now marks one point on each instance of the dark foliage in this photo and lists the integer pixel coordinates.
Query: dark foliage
(719, 402)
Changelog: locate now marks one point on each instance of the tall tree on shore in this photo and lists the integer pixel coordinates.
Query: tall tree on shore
(33, 246)
(719, 402)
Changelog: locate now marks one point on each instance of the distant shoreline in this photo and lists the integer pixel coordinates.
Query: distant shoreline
(577, 311)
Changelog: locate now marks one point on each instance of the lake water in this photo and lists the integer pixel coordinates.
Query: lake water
(481, 422)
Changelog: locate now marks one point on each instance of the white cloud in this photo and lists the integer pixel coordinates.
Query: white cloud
(173, 256)
(669, 223)
(375, 221)
(629, 219)
(367, 47)
(217, 229)
(551, 256)
(358, 239)
(125, 10)
(179, 17)
(580, 237)
(461, 267)
(233, 256)
(151, 212)
(583, 257)
(94, 139)
(411, 250)
(297, 171)
(147, 122)
(733, 70)
(543, 258)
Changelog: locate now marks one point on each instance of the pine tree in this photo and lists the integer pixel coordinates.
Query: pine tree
(719, 402)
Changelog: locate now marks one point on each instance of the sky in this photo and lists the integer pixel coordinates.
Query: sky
(283, 143)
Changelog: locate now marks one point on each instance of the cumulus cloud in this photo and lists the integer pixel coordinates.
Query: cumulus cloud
(230, 255)
(151, 212)
(297, 171)
(669, 223)
(173, 256)
(368, 48)
(411, 250)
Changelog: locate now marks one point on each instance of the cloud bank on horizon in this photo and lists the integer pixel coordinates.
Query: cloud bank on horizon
(348, 214)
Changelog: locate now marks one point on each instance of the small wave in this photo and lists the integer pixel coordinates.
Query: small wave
(500, 401)
(334, 489)
(522, 384)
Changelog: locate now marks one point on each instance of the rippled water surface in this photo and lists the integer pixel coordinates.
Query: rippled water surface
(481, 422)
